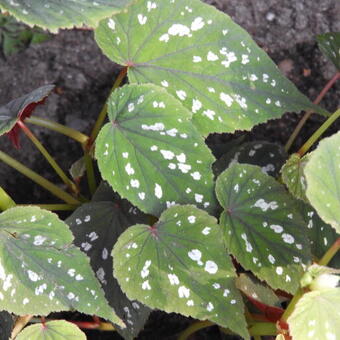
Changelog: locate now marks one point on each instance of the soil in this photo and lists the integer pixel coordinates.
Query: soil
(71, 60)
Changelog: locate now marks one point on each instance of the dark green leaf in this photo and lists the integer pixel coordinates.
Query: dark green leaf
(180, 265)
(151, 153)
(202, 57)
(42, 271)
(107, 220)
(329, 44)
(262, 226)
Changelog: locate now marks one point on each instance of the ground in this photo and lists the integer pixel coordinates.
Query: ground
(72, 61)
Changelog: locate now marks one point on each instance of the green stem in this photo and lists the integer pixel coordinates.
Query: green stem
(102, 114)
(306, 116)
(56, 191)
(65, 130)
(6, 201)
(54, 207)
(71, 185)
(291, 305)
(194, 328)
(316, 135)
(262, 328)
(330, 253)
(91, 179)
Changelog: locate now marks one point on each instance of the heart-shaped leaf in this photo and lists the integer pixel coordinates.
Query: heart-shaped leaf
(323, 180)
(96, 227)
(6, 325)
(180, 265)
(56, 14)
(293, 175)
(329, 44)
(262, 226)
(19, 109)
(52, 330)
(268, 156)
(151, 153)
(202, 57)
(316, 316)
(42, 271)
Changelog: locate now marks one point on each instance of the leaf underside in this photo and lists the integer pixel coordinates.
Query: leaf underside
(201, 56)
(55, 14)
(262, 227)
(329, 44)
(151, 153)
(177, 265)
(323, 180)
(41, 271)
(96, 227)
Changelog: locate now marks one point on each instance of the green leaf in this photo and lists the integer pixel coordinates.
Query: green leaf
(293, 175)
(268, 156)
(202, 57)
(56, 14)
(320, 234)
(262, 226)
(21, 108)
(323, 180)
(102, 224)
(6, 325)
(78, 169)
(180, 265)
(151, 153)
(52, 330)
(42, 271)
(316, 316)
(329, 44)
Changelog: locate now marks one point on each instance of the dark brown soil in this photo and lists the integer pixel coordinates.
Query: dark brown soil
(72, 61)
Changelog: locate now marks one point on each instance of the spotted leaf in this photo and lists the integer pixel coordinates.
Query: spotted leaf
(19, 109)
(96, 227)
(55, 14)
(52, 330)
(42, 271)
(323, 180)
(180, 265)
(202, 57)
(262, 226)
(268, 156)
(316, 316)
(151, 153)
(293, 176)
(329, 44)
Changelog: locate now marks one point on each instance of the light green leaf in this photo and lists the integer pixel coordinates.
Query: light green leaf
(52, 330)
(329, 44)
(180, 265)
(96, 227)
(202, 57)
(151, 153)
(262, 226)
(316, 316)
(55, 14)
(323, 180)
(42, 271)
(293, 175)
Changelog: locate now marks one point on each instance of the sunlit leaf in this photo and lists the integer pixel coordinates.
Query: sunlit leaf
(42, 271)
(323, 180)
(55, 14)
(263, 228)
(52, 330)
(293, 176)
(202, 57)
(316, 316)
(180, 265)
(96, 227)
(329, 44)
(151, 153)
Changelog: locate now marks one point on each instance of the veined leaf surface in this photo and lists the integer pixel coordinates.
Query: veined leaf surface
(262, 226)
(151, 153)
(202, 57)
(180, 265)
(41, 271)
(55, 14)
(323, 180)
